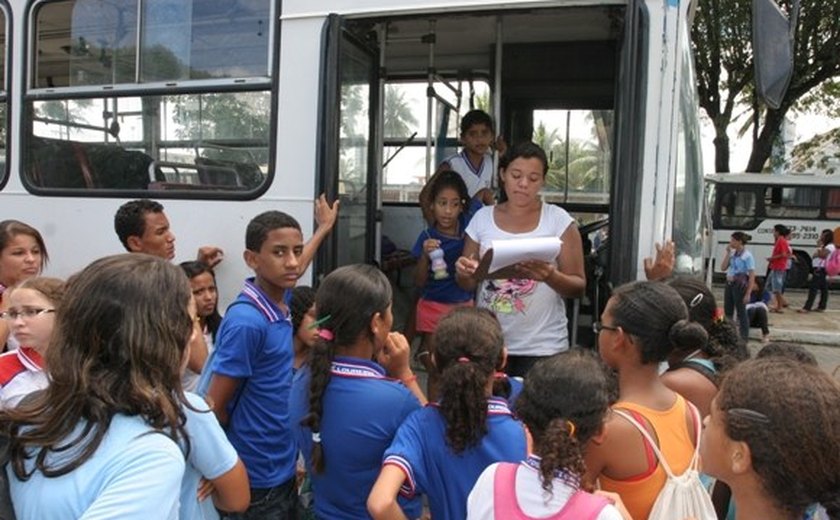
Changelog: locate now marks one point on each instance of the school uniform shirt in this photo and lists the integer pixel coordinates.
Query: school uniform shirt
(740, 264)
(134, 474)
(530, 496)
(254, 345)
(432, 468)
(211, 455)
(445, 290)
(362, 411)
(476, 179)
(532, 314)
(21, 373)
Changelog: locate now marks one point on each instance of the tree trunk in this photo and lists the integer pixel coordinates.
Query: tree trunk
(721, 148)
(763, 146)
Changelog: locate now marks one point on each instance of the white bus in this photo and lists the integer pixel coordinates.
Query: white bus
(222, 109)
(755, 203)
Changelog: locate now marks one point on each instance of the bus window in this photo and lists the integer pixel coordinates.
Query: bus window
(579, 148)
(832, 206)
(736, 209)
(405, 130)
(792, 202)
(189, 110)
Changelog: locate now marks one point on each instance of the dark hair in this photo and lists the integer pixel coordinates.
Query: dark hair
(9, 229)
(468, 351)
(192, 269)
(476, 117)
(350, 296)
(724, 346)
(450, 179)
(742, 237)
(130, 219)
(656, 316)
(781, 229)
(563, 404)
(790, 423)
(524, 150)
(827, 237)
(783, 349)
(263, 224)
(303, 298)
(120, 334)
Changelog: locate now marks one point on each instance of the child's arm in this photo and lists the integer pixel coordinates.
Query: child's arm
(466, 265)
(394, 357)
(222, 389)
(382, 502)
(325, 217)
(231, 491)
(421, 271)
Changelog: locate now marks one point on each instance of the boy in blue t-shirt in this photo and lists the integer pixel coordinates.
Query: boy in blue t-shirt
(252, 365)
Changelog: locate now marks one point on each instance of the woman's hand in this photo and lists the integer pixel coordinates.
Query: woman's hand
(536, 270)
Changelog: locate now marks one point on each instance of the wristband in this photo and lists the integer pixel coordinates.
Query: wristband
(408, 380)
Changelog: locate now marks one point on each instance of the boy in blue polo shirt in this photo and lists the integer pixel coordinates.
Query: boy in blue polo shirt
(252, 366)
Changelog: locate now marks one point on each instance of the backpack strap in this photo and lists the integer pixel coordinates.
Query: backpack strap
(504, 491)
(583, 505)
(695, 415)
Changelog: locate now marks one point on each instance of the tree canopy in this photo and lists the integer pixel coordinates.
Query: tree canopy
(722, 40)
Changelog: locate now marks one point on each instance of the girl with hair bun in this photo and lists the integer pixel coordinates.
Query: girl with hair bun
(739, 265)
(694, 371)
(641, 325)
(344, 410)
(564, 402)
(773, 437)
(441, 450)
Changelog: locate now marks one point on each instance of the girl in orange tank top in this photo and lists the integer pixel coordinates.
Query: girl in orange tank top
(640, 326)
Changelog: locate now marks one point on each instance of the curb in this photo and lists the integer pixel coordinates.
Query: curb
(828, 339)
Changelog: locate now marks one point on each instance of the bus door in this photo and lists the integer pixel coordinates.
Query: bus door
(347, 161)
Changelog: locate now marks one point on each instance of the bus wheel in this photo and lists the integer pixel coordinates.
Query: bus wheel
(797, 276)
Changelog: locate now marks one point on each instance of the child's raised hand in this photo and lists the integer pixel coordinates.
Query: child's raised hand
(394, 356)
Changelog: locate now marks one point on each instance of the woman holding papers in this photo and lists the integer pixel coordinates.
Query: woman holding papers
(528, 296)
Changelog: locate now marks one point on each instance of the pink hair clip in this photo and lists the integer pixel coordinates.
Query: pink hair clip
(326, 334)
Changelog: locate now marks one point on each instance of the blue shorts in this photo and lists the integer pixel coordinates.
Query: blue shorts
(775, 281)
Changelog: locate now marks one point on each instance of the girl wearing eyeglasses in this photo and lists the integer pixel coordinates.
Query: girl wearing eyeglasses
(30, 316)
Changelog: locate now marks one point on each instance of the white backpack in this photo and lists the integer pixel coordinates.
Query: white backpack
(682, 496)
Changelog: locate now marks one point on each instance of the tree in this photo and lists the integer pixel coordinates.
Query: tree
(722, 43)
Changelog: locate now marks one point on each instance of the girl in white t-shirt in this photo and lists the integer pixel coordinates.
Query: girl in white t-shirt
(529, 305)
(563, 404)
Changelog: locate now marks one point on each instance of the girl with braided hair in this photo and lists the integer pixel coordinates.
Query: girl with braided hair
(345, 408)
(441, 450)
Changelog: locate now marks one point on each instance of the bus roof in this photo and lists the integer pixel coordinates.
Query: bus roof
(766, 178)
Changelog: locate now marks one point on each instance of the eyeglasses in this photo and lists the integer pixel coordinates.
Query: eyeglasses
(27, 314)
(597, 327)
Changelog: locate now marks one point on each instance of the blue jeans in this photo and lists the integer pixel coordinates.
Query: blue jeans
(277, 503)
(733, 302)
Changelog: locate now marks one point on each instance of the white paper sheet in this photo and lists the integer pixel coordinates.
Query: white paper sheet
(512, 251)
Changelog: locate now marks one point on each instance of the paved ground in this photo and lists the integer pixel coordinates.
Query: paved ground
(817, 331)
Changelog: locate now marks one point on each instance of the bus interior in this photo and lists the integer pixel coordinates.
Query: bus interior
(548, 75)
